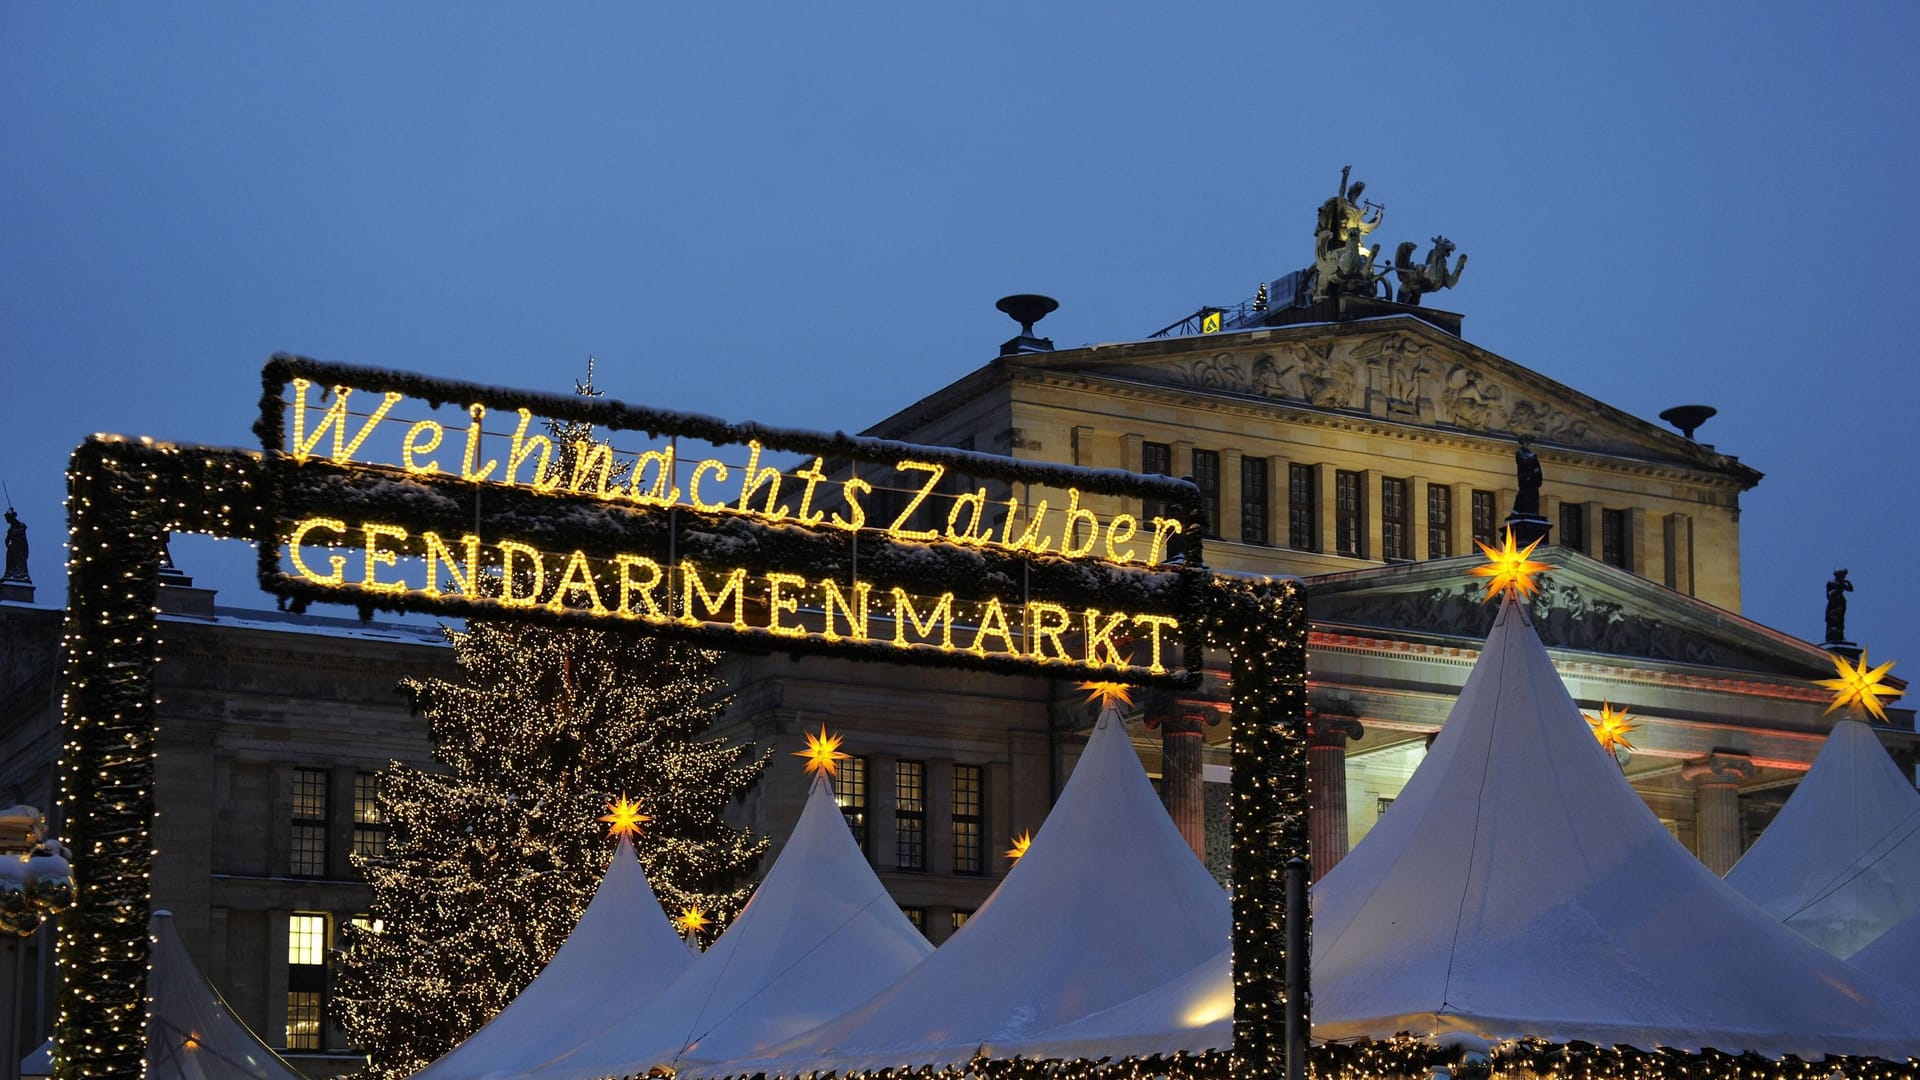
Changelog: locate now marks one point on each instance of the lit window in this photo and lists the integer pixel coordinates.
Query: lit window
(960, 918)
(916, 916)
(306, 980)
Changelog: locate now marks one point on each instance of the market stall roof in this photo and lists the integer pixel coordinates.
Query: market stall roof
(191, 1033)
(1108, 902)
(619, 956)
(1894, 955)
(1194, 1012)
(1519, 887)
(820, 936)
(1841, 862)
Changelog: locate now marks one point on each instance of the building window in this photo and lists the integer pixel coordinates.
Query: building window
(910, 814)
(369, 827)
(969, 843)
(1206, 476)
(1394, 546)
(850, 792)
(1573, 526)
(1439, 521)
(1156, 459)
(1613, 539)
(1253, 500)
(308, 852)
(917, 916)
(1380, 804)
(1349, 515)
(960, 918)
(1483, 517)
(306, 980)
(1302, 511)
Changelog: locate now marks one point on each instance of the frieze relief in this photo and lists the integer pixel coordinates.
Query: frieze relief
(1564, 615)
(1394, 376)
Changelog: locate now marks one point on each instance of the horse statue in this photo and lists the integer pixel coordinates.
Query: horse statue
(1417, 279)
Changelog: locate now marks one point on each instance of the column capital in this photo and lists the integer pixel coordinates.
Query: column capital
(1164, 710)
(1721, 768)
(1325, 730)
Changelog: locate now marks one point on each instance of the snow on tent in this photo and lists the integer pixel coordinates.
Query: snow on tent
(191, 1033)
(1894, 955)
(1193, 1013)
(1841, 862)
(619, 956)
(1519, 887)
(820, 935)
(1107, 903)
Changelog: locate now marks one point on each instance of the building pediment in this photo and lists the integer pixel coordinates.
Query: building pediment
(1583, 605)
(1398, 369)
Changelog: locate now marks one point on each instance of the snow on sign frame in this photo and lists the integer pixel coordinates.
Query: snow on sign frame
(400, 492)
(372, 484)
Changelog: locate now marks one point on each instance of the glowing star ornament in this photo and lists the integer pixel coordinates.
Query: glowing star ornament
(623, 817)
(1020, 845)
(692, 921)
(1108, 693)
(1858, 686)
(823, 753)
(1510, 569)
(1611, 728)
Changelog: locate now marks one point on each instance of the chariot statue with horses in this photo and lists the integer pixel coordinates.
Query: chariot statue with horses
(1343, 265)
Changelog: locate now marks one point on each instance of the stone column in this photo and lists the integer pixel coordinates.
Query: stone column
(1327, 738)
(1717, 780)
(1181, 782)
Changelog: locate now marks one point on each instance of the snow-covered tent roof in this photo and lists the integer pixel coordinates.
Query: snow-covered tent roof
(820, 935)
(39, 1063)
(1519, 886)
(619, 956)
(1107, 903)
(1841, 862)
(1894, 955)
(191, 1033)
(1194, 1012)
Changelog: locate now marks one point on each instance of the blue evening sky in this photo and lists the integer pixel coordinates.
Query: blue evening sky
(802, 214)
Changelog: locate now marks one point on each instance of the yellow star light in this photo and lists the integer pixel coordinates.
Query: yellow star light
(1858, 686)
(1509, 569)
(692, 921)
(1020, 845)
(1106, 693)
(823, 753)
(623, 817)
(1611, 728)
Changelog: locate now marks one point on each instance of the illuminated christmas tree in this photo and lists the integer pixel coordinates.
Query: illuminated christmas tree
(489, 864)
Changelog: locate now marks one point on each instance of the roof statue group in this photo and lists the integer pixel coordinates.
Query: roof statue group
(1344, 266)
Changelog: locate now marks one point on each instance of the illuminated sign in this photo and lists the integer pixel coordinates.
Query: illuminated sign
(400, 492)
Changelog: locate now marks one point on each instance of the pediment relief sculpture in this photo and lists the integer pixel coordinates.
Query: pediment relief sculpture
(1565, 615)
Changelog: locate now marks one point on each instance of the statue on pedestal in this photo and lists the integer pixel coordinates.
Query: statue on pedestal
(1837, 591)
(16, 549)
(1528, 474)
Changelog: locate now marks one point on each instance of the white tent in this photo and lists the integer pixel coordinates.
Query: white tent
(1194, 1012)
(619, 956)
(1519, 886)
(820, 935)
(38, 1064)
(1108, 902)
(1894, 955)
(191, 1033)
(1841, 863)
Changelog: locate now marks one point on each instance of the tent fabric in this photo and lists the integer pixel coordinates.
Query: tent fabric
(1108, 902)
(1841, 862)
(1519, 887)
(1894, 955)
(39, 1063)
(619, 956)
(1192, 1013)
(191, 1033)
(819, 936)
